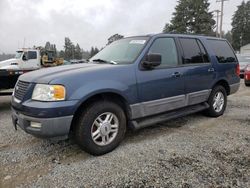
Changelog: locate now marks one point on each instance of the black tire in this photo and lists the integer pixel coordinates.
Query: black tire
(247, 84)
(211, 110)
(85, 121)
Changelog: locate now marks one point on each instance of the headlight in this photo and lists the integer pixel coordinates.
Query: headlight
(43, 92)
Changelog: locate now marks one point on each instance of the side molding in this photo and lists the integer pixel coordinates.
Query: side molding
(158, 106)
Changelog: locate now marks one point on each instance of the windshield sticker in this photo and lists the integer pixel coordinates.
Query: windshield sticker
(137, 41)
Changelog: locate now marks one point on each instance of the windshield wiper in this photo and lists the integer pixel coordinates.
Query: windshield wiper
(104, 61)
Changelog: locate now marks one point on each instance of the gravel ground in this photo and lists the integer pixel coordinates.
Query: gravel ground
(194, 151)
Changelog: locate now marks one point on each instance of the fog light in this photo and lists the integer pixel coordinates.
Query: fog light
(35, 124)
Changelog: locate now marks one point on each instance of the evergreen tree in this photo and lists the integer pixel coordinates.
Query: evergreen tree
(191, 16)
(68, 49)
(92, 52)
(96, 50)
(228, 36)
(61, 54)
(78, 52)
(166, 29)
(241, 26)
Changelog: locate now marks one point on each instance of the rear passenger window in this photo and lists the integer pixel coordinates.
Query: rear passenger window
(167, 48)
(32, 55)
(223, 51)
(194, 52)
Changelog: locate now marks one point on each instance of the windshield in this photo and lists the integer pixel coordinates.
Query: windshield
(122, 51)
(243, 59)
(18, 54)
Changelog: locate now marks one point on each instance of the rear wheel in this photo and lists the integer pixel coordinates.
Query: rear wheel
(101, 127)
(247, 84)
(217, 102)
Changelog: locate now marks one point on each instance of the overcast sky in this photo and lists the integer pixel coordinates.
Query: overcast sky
(87, 22)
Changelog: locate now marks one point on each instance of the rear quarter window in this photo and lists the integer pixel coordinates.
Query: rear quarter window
(223, 51)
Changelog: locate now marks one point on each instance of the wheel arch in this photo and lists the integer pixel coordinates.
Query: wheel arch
(105, 95)
(223, 83)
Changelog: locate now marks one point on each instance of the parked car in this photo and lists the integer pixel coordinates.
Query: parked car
(132, 83)
(244, 60)
(247, 75)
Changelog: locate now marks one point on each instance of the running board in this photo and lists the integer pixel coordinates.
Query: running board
(148, 121)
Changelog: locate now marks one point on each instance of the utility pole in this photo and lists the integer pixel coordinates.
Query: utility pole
(221, 17)
(217, 22)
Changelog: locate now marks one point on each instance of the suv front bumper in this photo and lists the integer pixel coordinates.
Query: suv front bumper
(58, 127)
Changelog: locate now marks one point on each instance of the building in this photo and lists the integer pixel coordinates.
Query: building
(245, 49)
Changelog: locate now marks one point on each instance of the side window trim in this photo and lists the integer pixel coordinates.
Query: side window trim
(164, 67)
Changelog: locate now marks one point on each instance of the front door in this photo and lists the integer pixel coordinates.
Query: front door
(162, 88)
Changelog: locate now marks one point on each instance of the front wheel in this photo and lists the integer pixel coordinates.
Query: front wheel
(217, 102)
(100, 127)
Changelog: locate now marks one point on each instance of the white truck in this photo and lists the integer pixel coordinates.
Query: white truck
(25, 60)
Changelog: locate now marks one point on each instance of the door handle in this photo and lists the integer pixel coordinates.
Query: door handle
(176, 74)
(210, 70)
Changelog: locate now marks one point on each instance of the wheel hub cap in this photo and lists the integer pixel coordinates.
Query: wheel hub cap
(218, 101)
(104, 129)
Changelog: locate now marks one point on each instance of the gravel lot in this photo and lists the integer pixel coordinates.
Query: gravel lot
(194, 151)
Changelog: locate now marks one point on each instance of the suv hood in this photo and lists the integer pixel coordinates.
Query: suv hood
(46, 75)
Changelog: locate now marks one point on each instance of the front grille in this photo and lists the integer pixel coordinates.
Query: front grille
(21, 89)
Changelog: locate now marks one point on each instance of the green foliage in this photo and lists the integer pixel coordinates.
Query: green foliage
(192, 17)
(78, 53)
(241, 26)
(228, 36)
(93, 51)
(68, 49)
(73, 52)
(51, 47)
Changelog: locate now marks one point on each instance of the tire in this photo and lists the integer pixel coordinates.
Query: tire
(217, 110)
(94, 118)
(247, 84)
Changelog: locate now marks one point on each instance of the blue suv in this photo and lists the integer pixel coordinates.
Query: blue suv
(133, 82)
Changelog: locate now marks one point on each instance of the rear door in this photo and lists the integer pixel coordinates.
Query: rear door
(199, 71)
(162, 88)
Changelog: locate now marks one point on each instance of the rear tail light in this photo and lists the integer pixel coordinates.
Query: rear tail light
(238, 69)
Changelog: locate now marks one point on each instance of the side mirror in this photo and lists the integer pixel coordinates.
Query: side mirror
(151, 61)
(25, 58)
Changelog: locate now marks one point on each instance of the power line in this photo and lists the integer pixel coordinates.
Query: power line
(221, 16)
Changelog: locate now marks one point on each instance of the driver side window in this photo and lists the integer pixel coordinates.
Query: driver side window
(167, 49)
